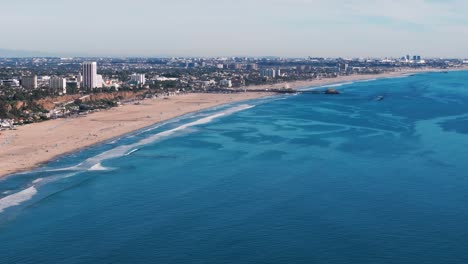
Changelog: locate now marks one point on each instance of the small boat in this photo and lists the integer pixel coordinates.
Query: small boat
(379, 98)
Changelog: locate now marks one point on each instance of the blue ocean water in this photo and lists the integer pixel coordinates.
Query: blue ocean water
(295, 179)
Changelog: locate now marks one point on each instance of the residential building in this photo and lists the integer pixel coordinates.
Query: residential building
(58, 84)
(138, 78)
(10, 83)
(99, 81)
(269, 73)
(29, 82)
(225, 83)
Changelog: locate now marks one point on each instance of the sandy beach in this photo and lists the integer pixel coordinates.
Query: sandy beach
(349, 78)
(32, 145)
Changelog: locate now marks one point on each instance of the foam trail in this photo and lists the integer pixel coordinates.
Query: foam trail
(37, 180)
(131, 152)
(338, 84)
(369, 80)
(94, 163)
(17, 198)
(123, 150)
(98, 167)
(333, 85)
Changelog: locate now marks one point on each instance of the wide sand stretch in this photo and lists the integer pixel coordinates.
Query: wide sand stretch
(350, 78)
(34, 144)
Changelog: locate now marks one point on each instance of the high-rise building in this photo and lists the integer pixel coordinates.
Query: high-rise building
(138, 78)
(29, 82)
(58, 84)
(90, 78)
(270, 73)
(79, 79)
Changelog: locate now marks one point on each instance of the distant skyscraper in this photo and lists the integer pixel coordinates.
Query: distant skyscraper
(90, 78)
(29, 82)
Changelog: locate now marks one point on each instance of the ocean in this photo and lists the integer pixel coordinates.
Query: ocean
(377, 174)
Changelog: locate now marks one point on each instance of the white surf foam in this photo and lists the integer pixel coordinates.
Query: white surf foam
(17, 198)
(333, 85)
(338, 84)
(98, 167)
(94, 163)
(368, 80)
(131, 152)
(37, 180)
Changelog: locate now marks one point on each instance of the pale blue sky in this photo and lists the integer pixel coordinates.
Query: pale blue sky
(347, 28)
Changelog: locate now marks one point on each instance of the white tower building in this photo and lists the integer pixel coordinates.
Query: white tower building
(90, 78)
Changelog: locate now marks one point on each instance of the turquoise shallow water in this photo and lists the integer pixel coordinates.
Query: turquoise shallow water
(297, 179)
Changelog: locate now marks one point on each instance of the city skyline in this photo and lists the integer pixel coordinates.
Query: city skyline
(294, 28)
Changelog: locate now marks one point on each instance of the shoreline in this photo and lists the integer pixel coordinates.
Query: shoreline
(34, 145)
(314, 83)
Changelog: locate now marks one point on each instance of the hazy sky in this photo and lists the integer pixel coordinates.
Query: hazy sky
(347, 28)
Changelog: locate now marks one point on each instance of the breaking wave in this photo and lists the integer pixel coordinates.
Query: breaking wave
(95, 163)
(17, 198)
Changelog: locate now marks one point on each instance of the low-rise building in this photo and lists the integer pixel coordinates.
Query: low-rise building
(225, 83)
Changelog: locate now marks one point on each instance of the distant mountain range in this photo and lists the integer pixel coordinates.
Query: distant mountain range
(13, 53)
(10, 53)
